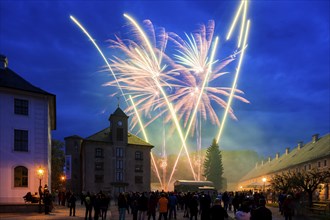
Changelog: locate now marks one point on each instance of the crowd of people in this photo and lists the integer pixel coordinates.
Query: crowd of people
(164, 205)
(245, 205)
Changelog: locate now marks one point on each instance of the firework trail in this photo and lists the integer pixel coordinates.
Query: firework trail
(144, 73)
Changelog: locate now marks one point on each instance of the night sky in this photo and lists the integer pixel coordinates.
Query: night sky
(285, 72)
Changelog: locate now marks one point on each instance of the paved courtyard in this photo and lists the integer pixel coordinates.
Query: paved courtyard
(61, 212)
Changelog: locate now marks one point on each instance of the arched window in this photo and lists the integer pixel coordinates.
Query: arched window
(21, 176)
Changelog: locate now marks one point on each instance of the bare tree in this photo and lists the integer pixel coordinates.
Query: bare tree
(307, 181)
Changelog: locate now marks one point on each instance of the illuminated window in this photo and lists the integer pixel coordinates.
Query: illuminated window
(20, 176)
(99, 152)
(21, 107)
(21, 140)
(138, 155)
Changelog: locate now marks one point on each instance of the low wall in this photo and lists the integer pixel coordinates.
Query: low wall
(20, 208)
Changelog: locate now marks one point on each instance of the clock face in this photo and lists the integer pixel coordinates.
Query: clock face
(120, 123)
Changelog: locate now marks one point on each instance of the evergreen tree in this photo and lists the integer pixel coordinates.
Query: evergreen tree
(57, 164)
(213, 169)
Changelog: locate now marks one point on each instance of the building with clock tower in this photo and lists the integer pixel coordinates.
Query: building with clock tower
(112, 160)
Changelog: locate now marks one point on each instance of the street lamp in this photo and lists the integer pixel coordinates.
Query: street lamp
(40, 175)
(62, 182)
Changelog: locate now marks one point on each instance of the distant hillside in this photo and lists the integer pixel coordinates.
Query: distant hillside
(236, 164)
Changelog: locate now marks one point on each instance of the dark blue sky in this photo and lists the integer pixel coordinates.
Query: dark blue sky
(285, 73)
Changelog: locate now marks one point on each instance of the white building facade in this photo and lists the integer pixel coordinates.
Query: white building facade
(27, 117)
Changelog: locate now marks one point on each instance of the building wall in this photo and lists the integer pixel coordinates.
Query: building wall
(132, 172)
(110, 168)
(39, 137)
(319, 163)
(72, 149)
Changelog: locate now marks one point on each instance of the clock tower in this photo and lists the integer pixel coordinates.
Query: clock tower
(119, 127)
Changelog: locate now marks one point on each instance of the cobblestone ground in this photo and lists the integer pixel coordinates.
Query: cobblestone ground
(61, 212)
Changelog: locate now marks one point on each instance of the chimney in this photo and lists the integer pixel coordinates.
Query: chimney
(300, 145)
(315, 138)
(287, 151)
(277, 155)
(269, 159)
(3, 62)
(256, 164)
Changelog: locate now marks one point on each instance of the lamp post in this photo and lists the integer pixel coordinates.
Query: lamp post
(264, 180)
(40, 175)
(62, 182)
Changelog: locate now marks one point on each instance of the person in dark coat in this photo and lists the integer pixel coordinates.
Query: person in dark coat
(152, 205)
(47, 201)
(261, 213)
(288, 207)
(193, 207)
(205, 205)
(72, 201)
(89, 206)
(122, 206)
(217, 212)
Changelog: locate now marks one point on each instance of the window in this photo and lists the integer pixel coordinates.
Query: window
(119, 152)
(138, 179)
(120, 134)
(98, 178)
(139, 168)
(21, 140)
(119, 176)
(325, 163)
(119, 164)
(99, 152)
(319, 164)
(20, 176)
(99, 165)
(309, 166)
(21, 107)
(138, 155)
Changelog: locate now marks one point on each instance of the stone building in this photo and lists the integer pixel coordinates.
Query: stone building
(312, 155)
(27, 116)
(112, 160)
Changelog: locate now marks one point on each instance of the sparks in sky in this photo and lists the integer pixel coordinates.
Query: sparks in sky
(178, 86)
(193, 56)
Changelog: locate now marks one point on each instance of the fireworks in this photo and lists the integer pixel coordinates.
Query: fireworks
(176, 87)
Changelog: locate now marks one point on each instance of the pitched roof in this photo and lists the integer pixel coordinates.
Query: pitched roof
(119, 112)
(309, 152)
(10, 79)
(104, 136)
